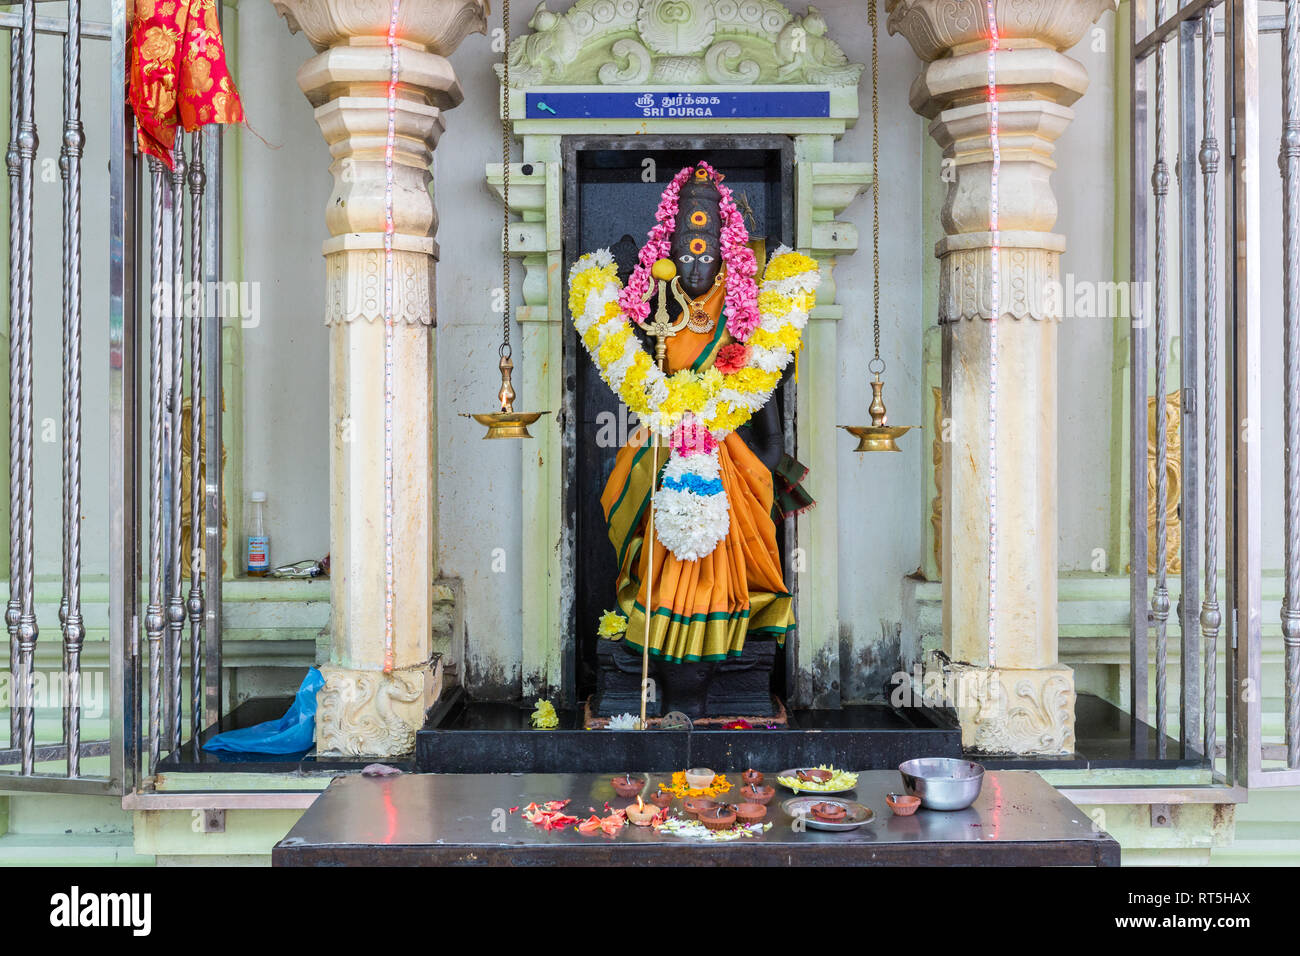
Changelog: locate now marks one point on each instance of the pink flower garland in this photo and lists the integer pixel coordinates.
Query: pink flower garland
(742, 291)
(692, 438)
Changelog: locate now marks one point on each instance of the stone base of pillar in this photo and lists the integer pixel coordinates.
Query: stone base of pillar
(367, 713)
(1012, 710)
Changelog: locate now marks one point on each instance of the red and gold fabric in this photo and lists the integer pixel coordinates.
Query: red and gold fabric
(178, 73)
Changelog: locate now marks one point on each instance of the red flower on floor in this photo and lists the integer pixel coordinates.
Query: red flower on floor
(740, 724)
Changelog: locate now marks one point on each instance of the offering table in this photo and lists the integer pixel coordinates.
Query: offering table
(466, 819)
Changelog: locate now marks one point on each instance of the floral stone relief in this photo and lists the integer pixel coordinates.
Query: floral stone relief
(685, 42)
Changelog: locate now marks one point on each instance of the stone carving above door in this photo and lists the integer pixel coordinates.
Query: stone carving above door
(678, 42)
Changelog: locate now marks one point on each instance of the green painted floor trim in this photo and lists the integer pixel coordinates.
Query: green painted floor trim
(75, 849)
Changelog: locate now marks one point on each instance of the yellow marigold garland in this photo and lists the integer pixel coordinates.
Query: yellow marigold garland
(679, 788)
(722, 402)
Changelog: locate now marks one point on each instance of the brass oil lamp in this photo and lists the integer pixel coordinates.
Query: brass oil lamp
(879, 435)
(506, 422)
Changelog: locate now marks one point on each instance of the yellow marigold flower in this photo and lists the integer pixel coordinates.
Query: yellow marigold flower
(611, 348)
(584, 281)
(675, 403)
(634, 397)
(728, 417)
(788, 264)
(544, 716)
(753, 380)
(763, 339)
(788, 336)
(693, 394)
(711, 380)
(591, 338)
(773, 303)
(612, 624)
(679, 788)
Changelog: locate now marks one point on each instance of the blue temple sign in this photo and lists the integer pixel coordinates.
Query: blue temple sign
(662, 104)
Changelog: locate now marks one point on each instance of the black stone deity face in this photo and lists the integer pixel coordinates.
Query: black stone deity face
(696, 243)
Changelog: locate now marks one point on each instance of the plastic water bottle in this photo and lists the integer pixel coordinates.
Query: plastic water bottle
(259, 543)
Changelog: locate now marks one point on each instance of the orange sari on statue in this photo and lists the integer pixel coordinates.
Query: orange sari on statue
(703, 609)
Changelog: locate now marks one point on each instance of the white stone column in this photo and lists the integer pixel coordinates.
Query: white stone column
(1012, 693)
(364, 709)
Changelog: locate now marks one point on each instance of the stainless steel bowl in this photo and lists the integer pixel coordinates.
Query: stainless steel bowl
(942, 783)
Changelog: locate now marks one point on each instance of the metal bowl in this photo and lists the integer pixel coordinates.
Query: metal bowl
(942, 783)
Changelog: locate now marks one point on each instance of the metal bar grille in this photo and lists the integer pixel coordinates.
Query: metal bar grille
(178, 589)
(1139, 612)
(1185, 304)
(1289, 164)
(1210, 618)
(1227, 487)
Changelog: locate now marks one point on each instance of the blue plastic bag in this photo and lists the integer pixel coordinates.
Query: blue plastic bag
(293, 733)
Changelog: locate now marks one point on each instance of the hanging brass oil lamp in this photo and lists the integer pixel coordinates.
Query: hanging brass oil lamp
(879, 435)
(506, 422)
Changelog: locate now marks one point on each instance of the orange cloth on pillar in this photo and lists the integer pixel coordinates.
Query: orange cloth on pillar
(703, 609)
(178, 74)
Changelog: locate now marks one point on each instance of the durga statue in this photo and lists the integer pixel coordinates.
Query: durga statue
(714, 572)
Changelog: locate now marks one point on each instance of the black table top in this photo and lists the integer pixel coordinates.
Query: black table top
(442, 819)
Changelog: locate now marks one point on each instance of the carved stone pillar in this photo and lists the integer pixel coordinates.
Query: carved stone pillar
(1012, 693)
(364, 709)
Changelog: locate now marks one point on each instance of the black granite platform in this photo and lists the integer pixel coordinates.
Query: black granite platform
(464, 736)
(1106, 737)
(191, 759)
(467, 736)
(464, 819)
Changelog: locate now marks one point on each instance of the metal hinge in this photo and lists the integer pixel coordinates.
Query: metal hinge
(1232, 136)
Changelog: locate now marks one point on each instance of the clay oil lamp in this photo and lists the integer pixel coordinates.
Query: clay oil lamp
(829, 812)
(661, 798)
(626, 785)
(698, 778)
(757, 793)
(718, 817)
(694, 806)
(902, 804)
(752, 776)
(641, 813)
(815, 775)
(750, 812)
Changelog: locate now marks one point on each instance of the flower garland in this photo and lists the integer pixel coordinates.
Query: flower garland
(737, 257)
(744, 373)
(694, 410)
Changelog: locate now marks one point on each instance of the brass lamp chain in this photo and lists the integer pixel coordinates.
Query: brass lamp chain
(877, 365)
(504, 351)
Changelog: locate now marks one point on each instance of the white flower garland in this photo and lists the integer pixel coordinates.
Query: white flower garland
(691, 513)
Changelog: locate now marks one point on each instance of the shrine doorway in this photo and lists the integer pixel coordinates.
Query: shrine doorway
(612, 187)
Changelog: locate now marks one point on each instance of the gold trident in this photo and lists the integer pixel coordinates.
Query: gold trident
(662, 329)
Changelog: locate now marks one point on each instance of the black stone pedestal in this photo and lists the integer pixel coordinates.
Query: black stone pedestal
(736, 687)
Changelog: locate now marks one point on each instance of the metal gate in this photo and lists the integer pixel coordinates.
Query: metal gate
(160, 609)
(1189, 123)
